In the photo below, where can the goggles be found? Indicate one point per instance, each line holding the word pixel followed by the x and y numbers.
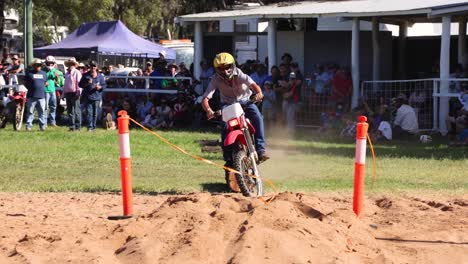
pixel 225 67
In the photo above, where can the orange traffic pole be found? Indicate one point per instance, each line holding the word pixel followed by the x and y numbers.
pixel 125 165
pixel 360 164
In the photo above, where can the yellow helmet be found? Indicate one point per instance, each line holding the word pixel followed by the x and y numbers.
pixel 224 64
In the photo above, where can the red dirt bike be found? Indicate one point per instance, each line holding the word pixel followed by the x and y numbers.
pixel 12 105
pixel 240 139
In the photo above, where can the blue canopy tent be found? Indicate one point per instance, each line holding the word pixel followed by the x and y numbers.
pixel 104 38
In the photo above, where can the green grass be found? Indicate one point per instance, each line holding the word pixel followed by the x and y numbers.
pixel 58 161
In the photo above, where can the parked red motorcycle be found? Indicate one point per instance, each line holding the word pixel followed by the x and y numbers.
pixel 12 105
pixel 240 138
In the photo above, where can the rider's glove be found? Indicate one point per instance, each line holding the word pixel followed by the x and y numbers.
pixel 210 114
pixel 258 97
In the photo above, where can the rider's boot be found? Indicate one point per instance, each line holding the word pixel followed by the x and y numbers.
pixel 263 156
pixel 231 180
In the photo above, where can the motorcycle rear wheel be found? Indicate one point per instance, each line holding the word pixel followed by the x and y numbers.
pixel 18 116
pixel 247 184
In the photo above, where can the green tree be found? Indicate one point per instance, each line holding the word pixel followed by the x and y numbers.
pixel 151 18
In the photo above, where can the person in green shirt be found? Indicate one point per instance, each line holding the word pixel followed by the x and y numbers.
pixel 54 79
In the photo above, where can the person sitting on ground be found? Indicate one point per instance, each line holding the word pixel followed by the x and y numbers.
pixel 463 136
pixel 164 113
pixel 143 107
pixel 406 122
pixel 384 131
pixel 463 98
pixel 151 119
pixel 349 126
pixel 181 110
pixel 363 108
pixel 130 109
pixel 108 116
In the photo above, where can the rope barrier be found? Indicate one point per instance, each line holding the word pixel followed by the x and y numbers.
pixel 374 175
pixel 266 201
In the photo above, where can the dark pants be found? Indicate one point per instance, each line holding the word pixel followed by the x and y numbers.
pixel 253 114
pixel 399 133
pixel 92 107
pixel 74 111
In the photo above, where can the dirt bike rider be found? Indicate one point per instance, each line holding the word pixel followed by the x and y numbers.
pixel 236 86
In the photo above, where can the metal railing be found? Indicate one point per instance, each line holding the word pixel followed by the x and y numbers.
pixel 419 94
pixel 129 84
pixel 424 95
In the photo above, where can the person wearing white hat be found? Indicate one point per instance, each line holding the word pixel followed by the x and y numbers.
pixel 54 80
pixel 72 94
pixel 35 81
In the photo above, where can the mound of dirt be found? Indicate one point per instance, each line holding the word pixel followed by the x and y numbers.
pixel 229 228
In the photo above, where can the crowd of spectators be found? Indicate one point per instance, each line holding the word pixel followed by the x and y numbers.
pixel 457 121
pixel 82 91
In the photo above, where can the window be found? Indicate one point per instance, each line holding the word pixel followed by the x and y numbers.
pixel 242 27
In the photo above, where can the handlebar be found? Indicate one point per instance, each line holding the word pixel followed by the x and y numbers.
pixel 252 100
pixel 217 113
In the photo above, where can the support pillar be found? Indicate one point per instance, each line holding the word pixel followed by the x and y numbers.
pixel 271 43
pixel 355 61
pixel 28 32
pixel 402 50
pixel 375 49
pixel 198 50
pixel 444 73
pixel 462 41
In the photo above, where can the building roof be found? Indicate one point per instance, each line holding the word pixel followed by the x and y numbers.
pixel 339 8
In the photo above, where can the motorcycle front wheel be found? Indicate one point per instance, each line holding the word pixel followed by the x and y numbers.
pixel 249 186
pixel 19 110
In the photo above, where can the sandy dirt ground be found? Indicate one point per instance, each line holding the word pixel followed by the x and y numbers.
pixel 228 228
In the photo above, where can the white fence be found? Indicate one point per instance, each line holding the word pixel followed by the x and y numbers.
pixel 429 97
pixel 419 94
pixel 133 84
pixel 145 84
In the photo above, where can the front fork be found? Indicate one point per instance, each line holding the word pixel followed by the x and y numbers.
pixel 254 158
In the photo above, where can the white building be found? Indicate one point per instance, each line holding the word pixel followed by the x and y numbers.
pixel 369 53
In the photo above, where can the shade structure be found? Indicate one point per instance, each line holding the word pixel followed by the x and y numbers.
pixel 104 37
